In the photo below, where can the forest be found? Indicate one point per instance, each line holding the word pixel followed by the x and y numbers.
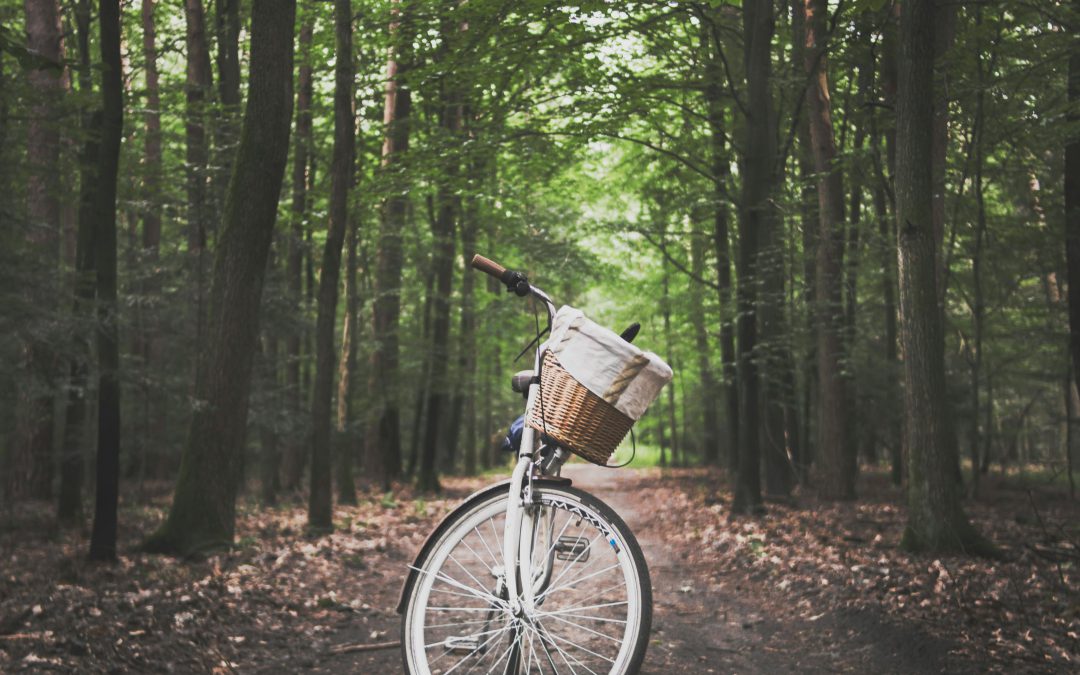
pixel 248 367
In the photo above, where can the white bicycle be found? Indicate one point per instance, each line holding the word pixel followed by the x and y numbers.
pixel 531 575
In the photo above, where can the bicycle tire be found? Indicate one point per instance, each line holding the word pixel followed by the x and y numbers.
pixel 453 530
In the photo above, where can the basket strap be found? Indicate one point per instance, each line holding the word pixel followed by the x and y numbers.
pixel 625 376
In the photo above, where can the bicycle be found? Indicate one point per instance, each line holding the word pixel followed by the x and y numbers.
pixel 579 597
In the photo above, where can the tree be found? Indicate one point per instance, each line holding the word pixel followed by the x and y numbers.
pixel 936 520
pixel 198 88
pixel 296 451
pixel 837 463
pixel 203 512
pixel 341 173
pixel 103 537
pixel 69 507
pixel 1072 205
pixel 443 230
pixel 384 436
pixel 756 208
pixel 720 164
pixel 31 473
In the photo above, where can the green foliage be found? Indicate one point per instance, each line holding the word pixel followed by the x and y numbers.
pixel 585 160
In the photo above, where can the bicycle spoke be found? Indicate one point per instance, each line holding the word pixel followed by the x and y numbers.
pixel 463 569
pixel 483 541
pixel 576 645
pixel 456 623
pixel 577 581
pixel 478 649
pixel 545 640
pixel 590 596
pixel 482 595
pixel 566 610
pixel 581 571
pixel 587 630
pixel 567 568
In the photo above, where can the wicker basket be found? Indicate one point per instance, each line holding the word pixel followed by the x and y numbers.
pixel 575 417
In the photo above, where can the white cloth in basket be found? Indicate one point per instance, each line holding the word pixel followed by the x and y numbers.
pixel 607 365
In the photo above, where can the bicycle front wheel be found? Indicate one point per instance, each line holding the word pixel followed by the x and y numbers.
pixel 593 608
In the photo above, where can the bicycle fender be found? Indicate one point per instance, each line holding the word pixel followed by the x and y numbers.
pixel 429 543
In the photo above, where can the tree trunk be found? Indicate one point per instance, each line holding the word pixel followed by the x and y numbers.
pixel 809 224
pixel 859 434
pixel 710 421
pixel 320 506
pixel 837 467
pixel 203 513
pixel 197 89
pixel 665 308
pixel 884 196
pixel 936 521
pixel 720 166
pixel 978 310
pixel 31 472
pixel 347 434
pixel 72 467
pixel 227 32
pixel 270 460
pixel 384 439
pixel 103 536
pixel 756 211
pixel 944 34
pixel 442 267
pixel 1072 206
pixel 422 387
pixel 470 216
pixel 296 450
pixel 1072 408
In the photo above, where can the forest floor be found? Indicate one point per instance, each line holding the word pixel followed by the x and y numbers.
pixel 810 587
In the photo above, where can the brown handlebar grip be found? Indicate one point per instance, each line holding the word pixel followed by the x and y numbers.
pixel 489 266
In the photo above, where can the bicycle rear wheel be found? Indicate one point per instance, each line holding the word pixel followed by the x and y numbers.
pixel 593 600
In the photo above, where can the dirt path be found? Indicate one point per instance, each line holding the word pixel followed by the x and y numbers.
pixel 706 624
pixel 702 621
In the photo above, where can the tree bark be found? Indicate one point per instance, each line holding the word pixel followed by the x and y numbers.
pixel 31 472
pixel 203 513
pixel 944 35
pixel 346 485
pixel 884 197
pixel 665 309
pixel 198 87
pixel 835 459
pixel 296 451
pixel 809 221
pixel 470 216
pixel 710 421
pixel 103 536
pixel 978 310
pixel 227 33
pixel 320 506
pixel 442 267
pixel 720 168
pixel 69 508
pixel 384 440
pixel 756 209
pixel 936 521
pixel 1072 205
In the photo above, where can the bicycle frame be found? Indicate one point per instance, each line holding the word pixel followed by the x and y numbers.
pixel 517 554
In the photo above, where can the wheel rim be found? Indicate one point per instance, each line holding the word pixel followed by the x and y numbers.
pixel 588 613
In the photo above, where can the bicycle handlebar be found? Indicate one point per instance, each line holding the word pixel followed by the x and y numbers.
pixel 488 266
pixel 515 281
